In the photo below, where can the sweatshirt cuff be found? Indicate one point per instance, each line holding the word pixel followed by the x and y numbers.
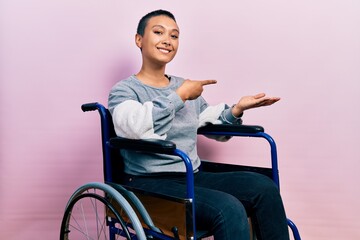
pixel 176 100
pixel 229 118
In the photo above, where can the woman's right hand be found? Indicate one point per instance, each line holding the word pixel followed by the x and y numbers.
pixel 192 89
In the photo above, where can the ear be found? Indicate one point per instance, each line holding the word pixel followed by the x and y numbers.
pixel 138 40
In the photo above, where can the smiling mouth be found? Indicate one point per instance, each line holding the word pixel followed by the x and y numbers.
pixel 164 50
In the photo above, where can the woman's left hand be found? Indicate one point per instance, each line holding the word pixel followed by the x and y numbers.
pixel 248 102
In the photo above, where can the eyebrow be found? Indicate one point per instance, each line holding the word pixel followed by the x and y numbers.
pixel 174 29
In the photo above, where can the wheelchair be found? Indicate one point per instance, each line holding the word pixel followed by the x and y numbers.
pixel 112 211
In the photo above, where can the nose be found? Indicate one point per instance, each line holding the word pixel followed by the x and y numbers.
pixel 166 42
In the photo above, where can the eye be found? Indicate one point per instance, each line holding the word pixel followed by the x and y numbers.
pixel 174 36
pixel 157 32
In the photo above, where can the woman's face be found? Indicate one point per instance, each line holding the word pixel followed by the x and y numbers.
pixel 160 41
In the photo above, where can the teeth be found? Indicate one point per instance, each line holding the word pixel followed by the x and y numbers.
pixel 164 50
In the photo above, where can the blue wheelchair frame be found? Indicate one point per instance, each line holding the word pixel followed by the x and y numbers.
pixel 111 145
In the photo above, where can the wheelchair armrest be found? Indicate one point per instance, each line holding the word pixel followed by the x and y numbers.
pixel 227 129
pixel 143 145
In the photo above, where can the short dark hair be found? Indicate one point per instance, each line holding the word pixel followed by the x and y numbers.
pixel 144 20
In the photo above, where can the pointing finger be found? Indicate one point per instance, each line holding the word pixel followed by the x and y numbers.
pixel 208 82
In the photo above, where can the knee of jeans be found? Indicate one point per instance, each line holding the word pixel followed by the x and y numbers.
pixel 267 188
pixel 232 208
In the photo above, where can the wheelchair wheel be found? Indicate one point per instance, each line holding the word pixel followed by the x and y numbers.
pixel 97 211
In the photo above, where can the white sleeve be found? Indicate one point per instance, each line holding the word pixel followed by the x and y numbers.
pixel 134 120
pixel 211 115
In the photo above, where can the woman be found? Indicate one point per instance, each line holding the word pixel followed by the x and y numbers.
pixel 152 104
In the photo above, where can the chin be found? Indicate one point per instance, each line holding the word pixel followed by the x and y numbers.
pixel 165 60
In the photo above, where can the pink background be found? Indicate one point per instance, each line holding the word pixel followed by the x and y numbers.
pixel 56 55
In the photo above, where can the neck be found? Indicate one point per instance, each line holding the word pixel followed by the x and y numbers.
pixel 153 76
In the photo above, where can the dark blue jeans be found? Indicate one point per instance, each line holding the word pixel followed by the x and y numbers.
pixel 223 202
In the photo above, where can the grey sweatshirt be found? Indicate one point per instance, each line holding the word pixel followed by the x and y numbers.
pixel 140 111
